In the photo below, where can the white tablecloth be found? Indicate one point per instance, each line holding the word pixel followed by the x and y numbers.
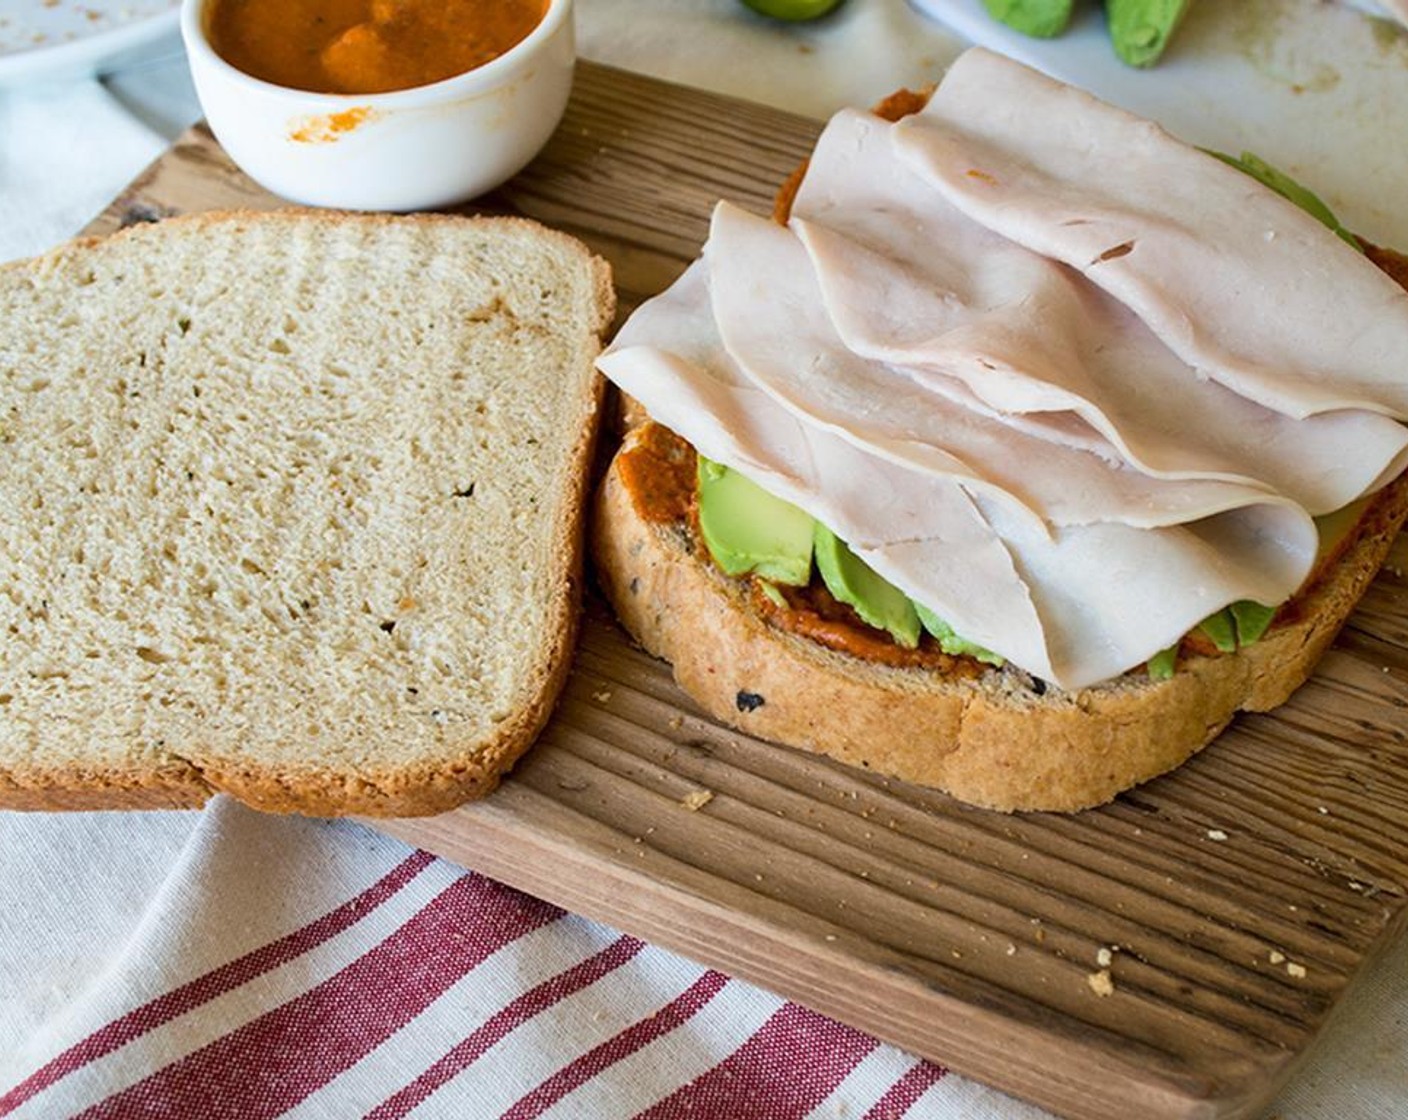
pixel 224 963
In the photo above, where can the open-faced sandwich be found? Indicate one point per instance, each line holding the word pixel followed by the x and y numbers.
pixel 1029 448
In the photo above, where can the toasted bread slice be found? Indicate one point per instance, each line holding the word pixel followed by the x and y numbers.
pixel 992 737
pixel 290 507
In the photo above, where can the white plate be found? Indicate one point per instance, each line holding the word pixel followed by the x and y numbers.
pixel 52 40
pixel 1318 89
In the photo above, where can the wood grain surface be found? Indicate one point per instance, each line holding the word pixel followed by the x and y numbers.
pixel 1238 898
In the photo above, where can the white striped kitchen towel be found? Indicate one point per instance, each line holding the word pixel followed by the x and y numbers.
pixel 273 973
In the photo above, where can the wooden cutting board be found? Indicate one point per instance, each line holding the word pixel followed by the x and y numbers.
pixel 1238 898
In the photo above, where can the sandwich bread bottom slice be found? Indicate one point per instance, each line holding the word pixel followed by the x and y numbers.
pixel 290 507
pixel 991 737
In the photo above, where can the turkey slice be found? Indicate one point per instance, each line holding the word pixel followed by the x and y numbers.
pixel 669 357
pixel 1240 283
pixel 1075 609
pixel 774 324
pixel 907 278
pixel 1110 597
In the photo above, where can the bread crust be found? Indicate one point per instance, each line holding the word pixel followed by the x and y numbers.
pixel 467 770
pixel 993 740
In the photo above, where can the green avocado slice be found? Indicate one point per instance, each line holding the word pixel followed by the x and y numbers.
pixel 1252 619
pixel 1163 664
pixel 1041 19
pixel 746 529
pixel 1141 29
pixel 854 583
pixel 1221 630
pixel 1334 527
pixel 953 644
pixel 1290 190
pixel 792 11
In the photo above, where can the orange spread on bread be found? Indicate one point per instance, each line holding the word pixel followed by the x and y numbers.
pixel 813 612
pixel 658 471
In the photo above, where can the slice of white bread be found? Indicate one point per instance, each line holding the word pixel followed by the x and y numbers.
pixel 290 507
pixel 991 737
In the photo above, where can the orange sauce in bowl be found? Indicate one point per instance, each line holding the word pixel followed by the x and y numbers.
pixel 366 46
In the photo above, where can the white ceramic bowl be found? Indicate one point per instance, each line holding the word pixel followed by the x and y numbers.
pixel 410 149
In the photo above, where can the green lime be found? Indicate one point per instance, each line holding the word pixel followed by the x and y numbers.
pixel 792 10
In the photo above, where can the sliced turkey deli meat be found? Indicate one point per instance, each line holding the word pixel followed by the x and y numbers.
pixel 1110 597
pixel 1071 470
pixel 908 278
pixel 669 357
pixel 981 564
pixel 1239 282
pixel 925 535
pixel 773 323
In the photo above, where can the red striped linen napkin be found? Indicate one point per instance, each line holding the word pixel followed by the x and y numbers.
pixel 228 964
pixel 266 966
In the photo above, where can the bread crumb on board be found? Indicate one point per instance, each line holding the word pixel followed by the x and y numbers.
pixel 1101 983
pixel 1293 970
pixel 697 799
